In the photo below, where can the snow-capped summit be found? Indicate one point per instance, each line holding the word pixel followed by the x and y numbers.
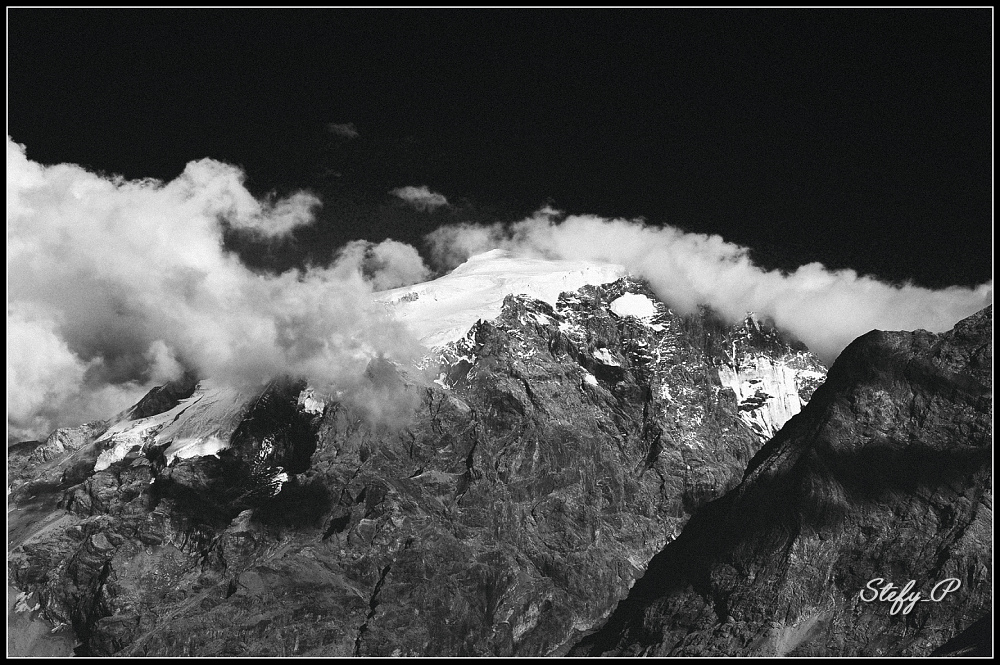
pixel 442 310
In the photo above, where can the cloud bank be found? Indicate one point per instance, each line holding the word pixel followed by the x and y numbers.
pixel 825 309
pixel 421 197
pixel 116 286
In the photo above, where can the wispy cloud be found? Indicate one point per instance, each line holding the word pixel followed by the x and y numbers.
pixel 344 129
pixel 421 197
pixel 825 309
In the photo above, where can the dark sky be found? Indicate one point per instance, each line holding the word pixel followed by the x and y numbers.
pixel 858 138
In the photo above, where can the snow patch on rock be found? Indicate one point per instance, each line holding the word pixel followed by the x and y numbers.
pixel 121 438
pixel 766 393
pixel 307 402
pixel 187 448
pixel 604 356
pixel 634 304
pixel 541 319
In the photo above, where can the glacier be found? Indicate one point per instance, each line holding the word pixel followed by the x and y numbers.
pixel 442 310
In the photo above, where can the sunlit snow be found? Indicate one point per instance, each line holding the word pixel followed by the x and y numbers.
pixel 189 447
pixel 772 383
pixel 442 310
pixel 198 425
pixel 604 356
pixel 634 304
pixel 307 402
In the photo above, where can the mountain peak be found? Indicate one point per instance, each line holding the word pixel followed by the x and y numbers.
pixel 442 310
pixel 570 435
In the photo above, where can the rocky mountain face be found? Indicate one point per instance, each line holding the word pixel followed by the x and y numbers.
pixel 770 387
pixel 557 451
pixel 883 478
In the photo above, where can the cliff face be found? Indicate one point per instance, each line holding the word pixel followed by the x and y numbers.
pixel 557 451
pixel 771 382
pixel 884 477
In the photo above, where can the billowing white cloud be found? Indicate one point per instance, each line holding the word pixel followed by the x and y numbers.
pixel 344 129
pixel 41 371
pixel 825 309
pixel 115 286
pixel 421 197
pixel 387 264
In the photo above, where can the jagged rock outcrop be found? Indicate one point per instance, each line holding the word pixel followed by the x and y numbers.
pixel 28 460
pixel 557 451
pixel 163 398
pixel 885 474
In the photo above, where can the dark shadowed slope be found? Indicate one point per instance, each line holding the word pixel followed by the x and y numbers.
pixel 885 474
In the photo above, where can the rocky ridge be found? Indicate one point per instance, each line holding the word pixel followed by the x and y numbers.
pixel 559 449
pixel 885 475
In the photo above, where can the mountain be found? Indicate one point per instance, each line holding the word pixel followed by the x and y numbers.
pixel 883 478
pixel 443 310
pixel 556 443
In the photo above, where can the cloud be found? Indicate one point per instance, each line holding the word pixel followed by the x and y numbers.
pixel 387 265
pixel 344 129
pixel 41 371
pixel 115 286
pixel 420 198
pixel 825 309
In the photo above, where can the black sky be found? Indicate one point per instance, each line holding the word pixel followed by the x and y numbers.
pixel 858 138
